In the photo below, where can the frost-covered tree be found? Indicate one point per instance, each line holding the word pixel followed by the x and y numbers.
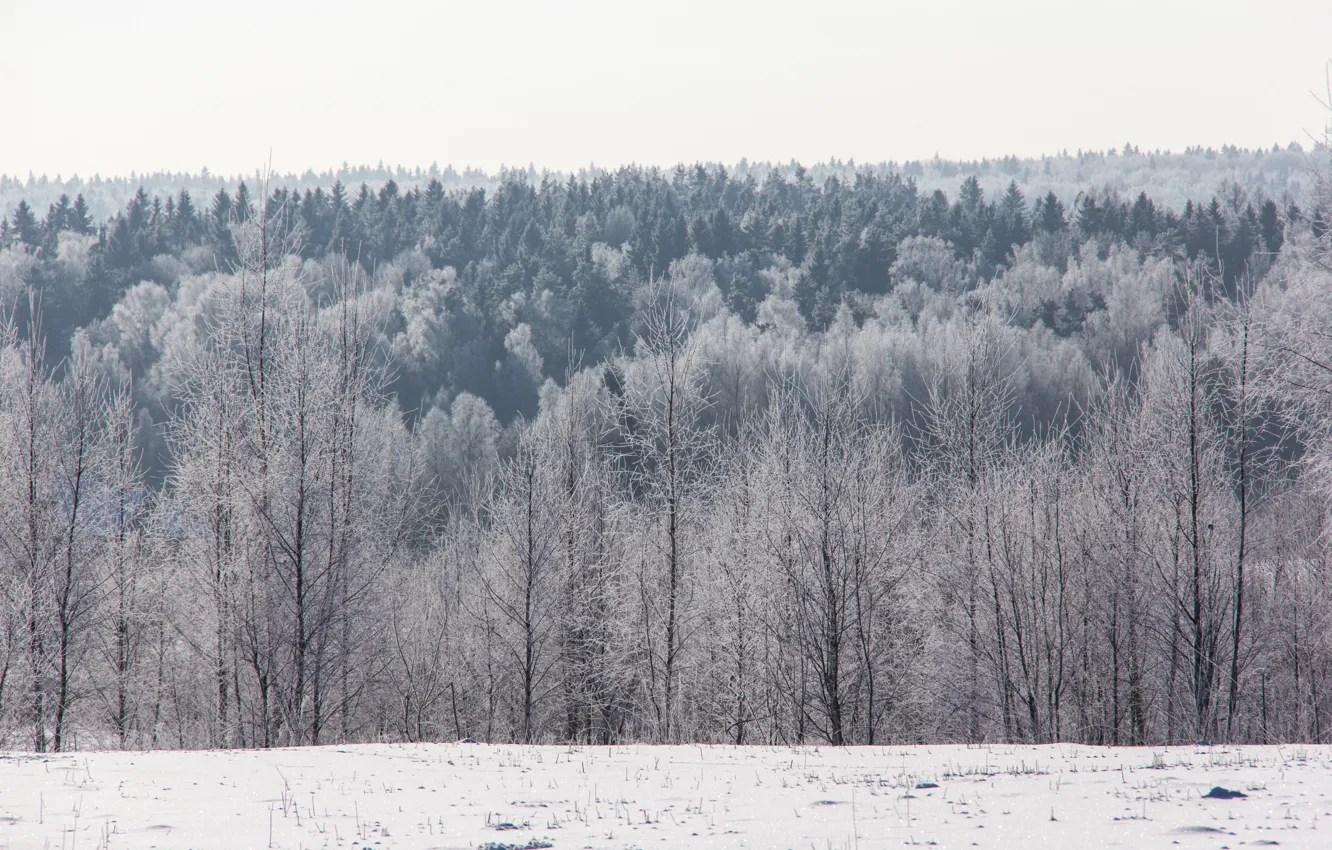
pixel 668 448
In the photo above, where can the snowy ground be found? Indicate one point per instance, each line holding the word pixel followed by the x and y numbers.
pixel 471 795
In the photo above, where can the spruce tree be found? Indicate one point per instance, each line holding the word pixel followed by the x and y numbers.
pixel 57 216
pixel 1050 214
pixel 79 219
pixel 219 214
pixel 244 206
pixel 25 227
pixel 1013 217
pixel 186 221
pixel 1270 227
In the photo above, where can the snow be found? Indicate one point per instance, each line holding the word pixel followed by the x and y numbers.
pixel 470 795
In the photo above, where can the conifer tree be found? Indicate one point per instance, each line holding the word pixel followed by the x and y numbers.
pixel 25 227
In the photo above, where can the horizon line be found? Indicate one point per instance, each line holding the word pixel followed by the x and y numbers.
pixel 204 173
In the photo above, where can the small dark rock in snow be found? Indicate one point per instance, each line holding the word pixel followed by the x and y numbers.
pixel 1219 793
pixel 927 784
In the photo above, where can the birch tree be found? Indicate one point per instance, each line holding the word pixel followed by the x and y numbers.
pixel 669 451
pixel 965 427
pixel 1180 406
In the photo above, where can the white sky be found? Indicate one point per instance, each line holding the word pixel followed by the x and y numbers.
pixel 97 86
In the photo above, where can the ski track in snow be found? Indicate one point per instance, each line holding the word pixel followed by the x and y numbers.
pixel 420 796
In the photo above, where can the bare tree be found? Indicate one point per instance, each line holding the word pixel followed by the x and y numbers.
pixel 1180 405
pixel 835 539
pixel 127 586
pixel 31 525
pixel 734 596
pixel 669 446
pixel 965 427
pixel 1117 472
pixel 521 572
pixel 81 413
pixel 291 458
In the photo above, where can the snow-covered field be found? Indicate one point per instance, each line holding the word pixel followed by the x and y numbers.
pixel 472 795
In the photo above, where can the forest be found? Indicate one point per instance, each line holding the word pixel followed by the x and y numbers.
pixel 761 454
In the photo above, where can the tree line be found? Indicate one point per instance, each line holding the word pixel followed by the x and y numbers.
pixel 567 259
pixel 664 457
pixel 1171 177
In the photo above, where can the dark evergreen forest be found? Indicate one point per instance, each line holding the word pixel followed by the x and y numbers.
pixel 570 258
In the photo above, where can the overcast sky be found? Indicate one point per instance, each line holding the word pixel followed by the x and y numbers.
pixel 95 86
